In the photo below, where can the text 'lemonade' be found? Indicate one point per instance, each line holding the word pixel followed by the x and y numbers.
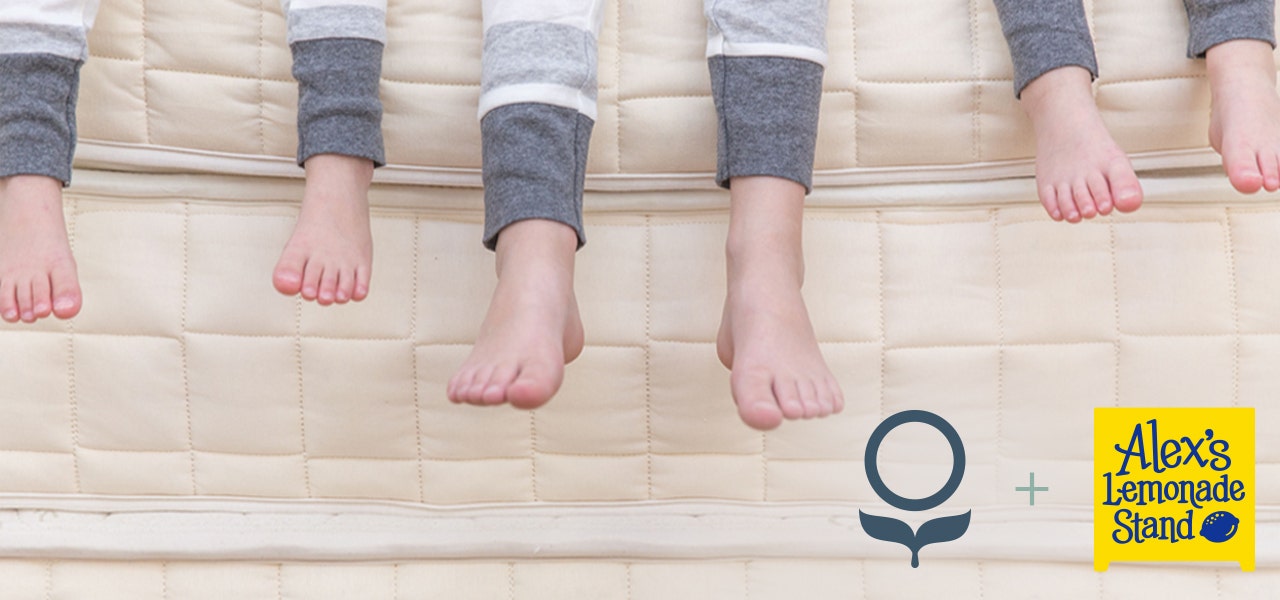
pixel 1174 484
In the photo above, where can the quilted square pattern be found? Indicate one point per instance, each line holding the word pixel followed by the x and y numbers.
pixel 767 579
pixel 906 84
pixel 211 384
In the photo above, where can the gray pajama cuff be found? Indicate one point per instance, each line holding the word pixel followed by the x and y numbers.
pixel 339 111
pixel 535 164
pixel 38 114
pixel 768 116
pixel 1215 21
pixel 1044 35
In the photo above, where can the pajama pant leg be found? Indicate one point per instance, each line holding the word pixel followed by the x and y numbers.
pixel 537 108
pixel 1215 21
pixel 337 59
pixel 42 46
pixel 1044 35
pixel 766 60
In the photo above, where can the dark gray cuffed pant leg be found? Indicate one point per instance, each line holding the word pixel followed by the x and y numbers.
pixel 768 116
pixel 38 114
pixel 1215 21
pixel 535 164
pixel 1044 35
pixel 339 111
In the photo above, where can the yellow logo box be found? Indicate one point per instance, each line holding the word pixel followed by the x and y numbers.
pixel 1174 484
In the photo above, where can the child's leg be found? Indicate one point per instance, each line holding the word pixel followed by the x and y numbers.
pixel 37 271
pixel 1236 37
pixel 337 60
pixel 42 45
pixel 1080 171
pixel 537 107
pixel 766 75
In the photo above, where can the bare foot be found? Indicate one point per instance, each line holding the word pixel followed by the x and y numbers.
pixel 766 338
pixel 330 255
pixel 1080 171
pixel 37 271
pixel 1244 126
pixel 532 329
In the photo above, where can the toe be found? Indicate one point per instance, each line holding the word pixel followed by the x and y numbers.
pixel 473 393
pixel 495 389
pixel 288 274
pixel 41 298
pixel 788 398
pixel 1244 170
pixel 1049 199
pixel 26 311
pixel 809 398
pixel 311 280
pixel 8 300
pixel 1067 203
pixel 328 286
pixel 1270 171
pixel 756 404
pixel 535 385
pixel 837 395
pixel 1126 191
pixel 346 283
pixel 1097 185
pixel 461 384
pixel 1084 200
pixel 361 290
pixel 66 291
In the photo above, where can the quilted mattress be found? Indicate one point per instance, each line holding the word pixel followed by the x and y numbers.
pixel 192 434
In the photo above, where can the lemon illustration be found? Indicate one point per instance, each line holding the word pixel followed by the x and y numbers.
pixel 1219 526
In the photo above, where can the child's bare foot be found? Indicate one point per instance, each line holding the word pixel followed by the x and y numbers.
pixel 1080 171
pixel 330 255
pixel 1244 126
pixel 532 329
pixel 765 337
pixel 37 271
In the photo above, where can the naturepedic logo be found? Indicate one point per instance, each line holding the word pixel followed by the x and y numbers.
pixel 1173 484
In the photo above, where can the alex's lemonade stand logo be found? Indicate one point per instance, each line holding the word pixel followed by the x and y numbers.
pixel 1173 484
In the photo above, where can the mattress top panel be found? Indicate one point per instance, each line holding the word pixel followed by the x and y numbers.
pixel 914 91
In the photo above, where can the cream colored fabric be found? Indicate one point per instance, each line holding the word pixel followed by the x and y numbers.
pixel 188 376
pixel 189 390
pixel 606 579
pixel 926 85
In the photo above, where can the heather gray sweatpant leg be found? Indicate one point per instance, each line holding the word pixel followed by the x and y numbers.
pixel 537 109
pixel 1046 34
pixel 766 60
pixel 42 46
pixel 337 60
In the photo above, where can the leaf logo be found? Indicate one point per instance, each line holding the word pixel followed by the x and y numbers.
pixel 942 529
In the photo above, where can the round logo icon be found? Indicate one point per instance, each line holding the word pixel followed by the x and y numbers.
pixel 1219 527
pixel 957 460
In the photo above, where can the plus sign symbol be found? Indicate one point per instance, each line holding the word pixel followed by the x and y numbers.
pixel 1031 489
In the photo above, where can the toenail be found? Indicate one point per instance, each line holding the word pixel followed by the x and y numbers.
pixel 10 314
pixel 64 304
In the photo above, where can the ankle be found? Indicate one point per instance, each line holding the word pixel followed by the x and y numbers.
pixel 1251 57
pixel 38 186
pixel 750 266
pixel 536 244
pixel 338 173
pixel 1058 97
